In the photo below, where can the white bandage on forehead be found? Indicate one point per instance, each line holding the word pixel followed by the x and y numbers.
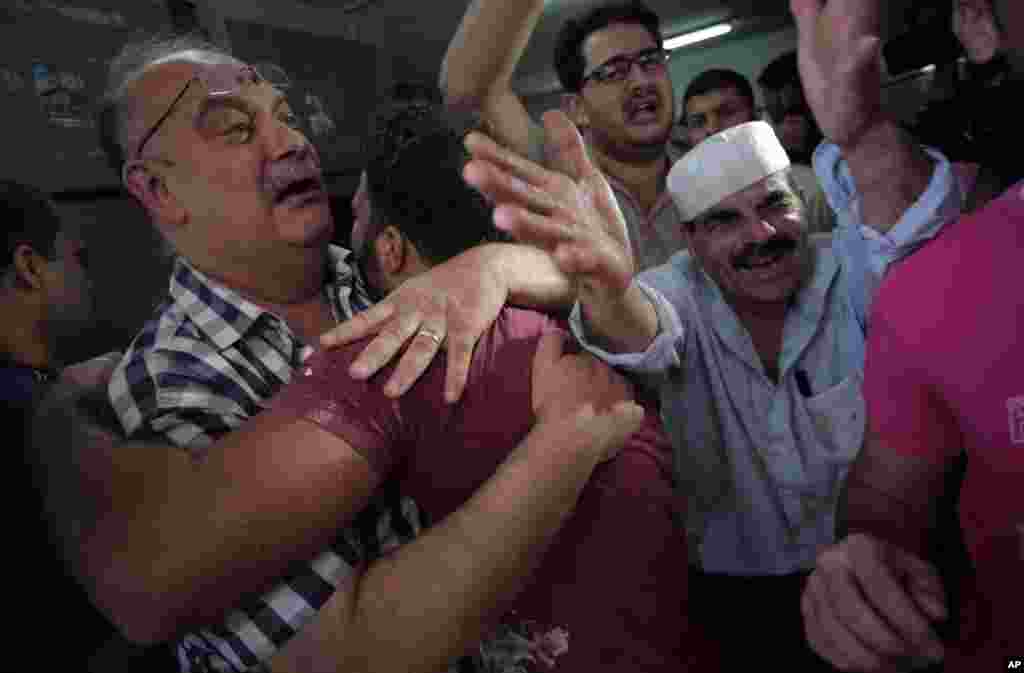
pixel 723 164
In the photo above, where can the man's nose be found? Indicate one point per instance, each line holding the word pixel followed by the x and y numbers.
pixel 284 140
pixel 638 77
pixel 759 229
pixel 713 124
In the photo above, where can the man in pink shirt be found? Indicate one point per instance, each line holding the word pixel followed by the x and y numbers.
pixel 609 594
pixel 942 379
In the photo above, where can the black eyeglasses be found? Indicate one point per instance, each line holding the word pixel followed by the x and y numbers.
pixel 223 79
pixel 617 69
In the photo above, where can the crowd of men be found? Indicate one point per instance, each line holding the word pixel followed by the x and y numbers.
pixel 577 399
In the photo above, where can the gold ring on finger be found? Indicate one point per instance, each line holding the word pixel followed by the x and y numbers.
pixel 430 334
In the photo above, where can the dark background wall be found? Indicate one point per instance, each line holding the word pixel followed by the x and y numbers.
pixel 52 66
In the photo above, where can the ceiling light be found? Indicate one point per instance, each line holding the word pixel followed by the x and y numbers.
pixel 696 36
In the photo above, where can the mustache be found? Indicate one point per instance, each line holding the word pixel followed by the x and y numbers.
pixel 301 165
pixel 773 247
pixel 634 100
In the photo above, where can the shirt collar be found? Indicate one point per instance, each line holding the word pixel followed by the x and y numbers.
pixel 224 316
pixel 673 154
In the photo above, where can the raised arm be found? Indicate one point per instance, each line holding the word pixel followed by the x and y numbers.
pixel 839 54
pixel 572 213
pixel 476 75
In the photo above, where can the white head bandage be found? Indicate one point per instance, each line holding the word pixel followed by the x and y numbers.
pixel 723 164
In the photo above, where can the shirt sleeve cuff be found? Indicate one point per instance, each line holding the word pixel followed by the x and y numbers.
pixel 660 356
pixel 940 203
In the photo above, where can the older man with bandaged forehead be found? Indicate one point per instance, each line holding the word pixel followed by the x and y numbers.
pixel 212 517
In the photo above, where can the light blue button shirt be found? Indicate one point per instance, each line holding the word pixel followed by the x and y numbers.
pixel 760 462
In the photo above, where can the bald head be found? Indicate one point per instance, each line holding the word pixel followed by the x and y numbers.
pixel 125 106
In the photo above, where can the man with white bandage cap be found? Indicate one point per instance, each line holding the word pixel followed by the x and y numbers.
pixel 754 336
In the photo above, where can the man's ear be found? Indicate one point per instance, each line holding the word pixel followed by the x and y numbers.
pixel 572 106
pixel 150 188
pixel 389 249
pixel 27 267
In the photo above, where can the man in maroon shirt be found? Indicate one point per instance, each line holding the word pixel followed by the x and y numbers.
pixel 608 595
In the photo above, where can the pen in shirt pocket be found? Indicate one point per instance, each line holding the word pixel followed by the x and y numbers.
pixel 803 383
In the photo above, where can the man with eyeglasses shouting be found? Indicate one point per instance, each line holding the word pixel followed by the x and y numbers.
pixel 614 70
pixel 612 65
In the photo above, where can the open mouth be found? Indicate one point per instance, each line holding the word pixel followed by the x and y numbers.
pixel 300 192
pixel 643 110
pixel 767 257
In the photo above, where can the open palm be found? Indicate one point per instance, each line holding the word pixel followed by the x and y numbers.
pixel 840 64
pixel 569 210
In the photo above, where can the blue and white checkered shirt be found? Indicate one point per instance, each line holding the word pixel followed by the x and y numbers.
pixel 205 363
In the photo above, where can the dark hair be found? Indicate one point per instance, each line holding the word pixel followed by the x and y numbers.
pixel 716 80
pixel 569 60
pixel 782 74
pixel 780 71
pixel 28 216
pixel 416 185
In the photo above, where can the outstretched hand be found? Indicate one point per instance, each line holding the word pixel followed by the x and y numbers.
pixel 569 210
pixel 840 65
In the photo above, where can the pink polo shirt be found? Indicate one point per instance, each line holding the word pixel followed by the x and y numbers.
pixel 610 594
pixel 944 374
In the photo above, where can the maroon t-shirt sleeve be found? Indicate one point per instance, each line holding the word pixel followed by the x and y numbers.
pixel 358 412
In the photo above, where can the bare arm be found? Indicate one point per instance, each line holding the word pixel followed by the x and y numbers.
pixel 841 72
pixel 459 299
pixel 891 172
pixel 873 601
pixel 162 542
pixel 533 278
pixel 624 324
pixel 476 73
pixel 435 598
pixel 891 496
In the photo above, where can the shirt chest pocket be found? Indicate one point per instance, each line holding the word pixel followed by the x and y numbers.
pixel 837 419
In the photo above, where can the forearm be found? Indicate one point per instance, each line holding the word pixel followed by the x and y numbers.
pixel 532 278
pixel 437 597
pixel 889 516
pixel 486 48
pixel 891 171
pixel 624 324
pixel 173 543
